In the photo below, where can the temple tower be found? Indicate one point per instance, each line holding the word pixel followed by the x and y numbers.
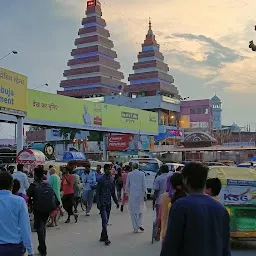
pixel 93 70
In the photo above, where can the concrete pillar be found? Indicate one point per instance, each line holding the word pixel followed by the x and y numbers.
pixel 104 149
pixel 19 130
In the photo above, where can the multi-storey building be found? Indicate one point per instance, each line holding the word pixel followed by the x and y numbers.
pixel 151 86
pixel 93 70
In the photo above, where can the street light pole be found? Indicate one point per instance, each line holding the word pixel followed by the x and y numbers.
pixel 40 86
pixel 251 43
pixel 12 52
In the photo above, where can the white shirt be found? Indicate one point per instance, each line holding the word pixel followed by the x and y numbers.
pixel 23 179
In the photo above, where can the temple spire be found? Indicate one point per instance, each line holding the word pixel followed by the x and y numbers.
pixel 150 32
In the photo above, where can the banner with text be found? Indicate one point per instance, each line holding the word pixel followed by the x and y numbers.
pixel 237 195
pixel 60 111
pixel 130 142
pixel 13 93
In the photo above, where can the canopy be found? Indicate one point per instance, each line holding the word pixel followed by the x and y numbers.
pixel 69 156
pixel 229 173
pixel 253 159
pixel 30 157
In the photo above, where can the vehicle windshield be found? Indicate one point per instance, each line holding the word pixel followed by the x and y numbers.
pixel 148 167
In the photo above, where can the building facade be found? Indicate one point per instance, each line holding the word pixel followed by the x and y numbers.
pixel 151 86
pixel 93 70
pixel 200 115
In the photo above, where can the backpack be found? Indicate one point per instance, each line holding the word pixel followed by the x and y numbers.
pixel 45 200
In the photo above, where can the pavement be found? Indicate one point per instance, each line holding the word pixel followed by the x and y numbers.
pixel 83 238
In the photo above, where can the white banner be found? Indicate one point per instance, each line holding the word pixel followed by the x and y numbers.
pixel 237 195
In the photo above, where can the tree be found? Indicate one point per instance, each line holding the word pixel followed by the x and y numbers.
pixel 69 133
pixel 95 136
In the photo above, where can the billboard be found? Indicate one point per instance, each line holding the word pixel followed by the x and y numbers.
pixel 13 93
pixel 238 195
pixel 60 111
pixel 130 142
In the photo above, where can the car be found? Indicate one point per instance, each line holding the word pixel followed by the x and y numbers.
pixel 173 166
pixel 150 166
pixel 247 165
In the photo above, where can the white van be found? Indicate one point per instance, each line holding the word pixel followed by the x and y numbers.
pixel 150 166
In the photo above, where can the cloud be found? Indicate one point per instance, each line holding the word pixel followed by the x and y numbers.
pixel 215 53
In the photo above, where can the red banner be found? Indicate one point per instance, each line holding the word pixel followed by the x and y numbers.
pixel 119 142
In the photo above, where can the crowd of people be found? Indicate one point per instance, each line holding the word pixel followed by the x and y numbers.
pixel 189 216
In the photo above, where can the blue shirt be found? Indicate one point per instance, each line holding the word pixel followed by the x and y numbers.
pixel 198 225
pixel 23 179
pixel 160 185
pixel 99 176
pixel 14 221
pixel 89 180
pixel 105 190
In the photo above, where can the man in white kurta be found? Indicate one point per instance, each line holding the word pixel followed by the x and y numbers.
pixel 135 189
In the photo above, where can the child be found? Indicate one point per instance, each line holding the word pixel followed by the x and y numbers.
pixel 213 187
pixel 16 188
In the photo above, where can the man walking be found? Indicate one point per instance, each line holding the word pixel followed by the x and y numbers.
pixel 136 189
pixel 44 202
pixel 198 224
pixel 22 178
pixel 105 190
pixel 99 174
pixel 89 181
pixel 15 231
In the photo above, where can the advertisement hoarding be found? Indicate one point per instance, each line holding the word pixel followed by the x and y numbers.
pixel 60 111
pixel 130 142
pixel 237 195
pixel 13 93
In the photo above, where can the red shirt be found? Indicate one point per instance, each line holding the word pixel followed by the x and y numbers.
pixel 67 184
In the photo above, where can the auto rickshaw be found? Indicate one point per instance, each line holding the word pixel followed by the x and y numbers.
pixel 238 195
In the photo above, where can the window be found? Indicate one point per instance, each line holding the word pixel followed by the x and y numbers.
pixel 199 111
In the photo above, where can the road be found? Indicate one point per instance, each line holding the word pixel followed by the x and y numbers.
pixel 82 238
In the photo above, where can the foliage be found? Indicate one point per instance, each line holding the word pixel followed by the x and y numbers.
pixel 68 133
pixel 95 136
pixel 223 136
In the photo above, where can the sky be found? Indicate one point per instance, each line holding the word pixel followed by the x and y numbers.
pixel 204 42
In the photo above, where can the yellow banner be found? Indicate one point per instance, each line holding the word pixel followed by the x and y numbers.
pixel 60 111
pixel 13 93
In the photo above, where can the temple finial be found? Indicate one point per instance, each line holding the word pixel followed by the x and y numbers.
pixel 150 32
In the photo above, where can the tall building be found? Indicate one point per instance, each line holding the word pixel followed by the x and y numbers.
pixel 93 70
pixel 151 76
pixel 151 86
pixel 217 112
